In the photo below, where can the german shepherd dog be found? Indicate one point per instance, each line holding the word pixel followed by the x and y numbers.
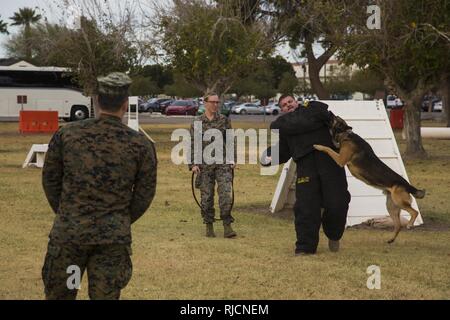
pixel 364 165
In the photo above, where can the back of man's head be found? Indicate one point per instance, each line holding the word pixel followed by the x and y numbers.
pixel 113 91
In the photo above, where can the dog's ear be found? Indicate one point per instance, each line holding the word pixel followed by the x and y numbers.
pixel 340 125
pixel 340 120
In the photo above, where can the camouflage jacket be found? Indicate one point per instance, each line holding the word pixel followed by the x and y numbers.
pixel 99 177
pixel 219 122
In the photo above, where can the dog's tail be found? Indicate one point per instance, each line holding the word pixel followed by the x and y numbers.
pixel 418 194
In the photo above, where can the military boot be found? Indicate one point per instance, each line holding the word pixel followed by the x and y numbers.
pixel 210 230
pixel 333 245
pixel 228 231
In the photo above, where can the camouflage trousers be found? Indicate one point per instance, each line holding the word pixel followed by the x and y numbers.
pixel 108 268
pixel 223 174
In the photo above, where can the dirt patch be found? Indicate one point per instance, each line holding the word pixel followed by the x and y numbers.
pixel 428 225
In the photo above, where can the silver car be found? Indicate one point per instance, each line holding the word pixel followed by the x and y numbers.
pixel 273 109
pixel 247 108
pixel 437 106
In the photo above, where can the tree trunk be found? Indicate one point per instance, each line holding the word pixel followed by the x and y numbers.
pixel 314 65
pixel 414 147
pixel 430 101
pixel 314 78
pixel 444 92
pixel 28 42
pixel 96 107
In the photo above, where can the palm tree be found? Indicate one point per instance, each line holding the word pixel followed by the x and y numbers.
pixel 3 27
pixel 26 17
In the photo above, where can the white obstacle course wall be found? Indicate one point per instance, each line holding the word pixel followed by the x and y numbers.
pixel 369 120
pixel 36 156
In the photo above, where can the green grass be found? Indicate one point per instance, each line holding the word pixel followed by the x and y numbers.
pixel 173 260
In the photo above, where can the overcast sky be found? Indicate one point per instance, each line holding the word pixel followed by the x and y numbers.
pixel 8 7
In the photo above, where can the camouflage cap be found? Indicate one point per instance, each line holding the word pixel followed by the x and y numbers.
pixel 115 83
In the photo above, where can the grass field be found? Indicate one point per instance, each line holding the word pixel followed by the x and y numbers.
pixel 173 260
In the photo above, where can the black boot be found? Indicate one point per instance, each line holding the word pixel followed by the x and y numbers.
pixel 333 245
pixel 228 231
pixel 210 230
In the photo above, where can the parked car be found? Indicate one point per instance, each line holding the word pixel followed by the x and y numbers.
pixel 153 105
pixel 393 102
pixel 340 97
pixel 225 110
pixel 201 110
pixel 247 108
pixel 230 104
pixel 140 104
pixel 273 109
pixel 182 107
pixel 437 106
pixel 144 107
pixel 434 101
pixel 164 105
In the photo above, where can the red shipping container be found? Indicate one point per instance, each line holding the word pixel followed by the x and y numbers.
pixel 38 121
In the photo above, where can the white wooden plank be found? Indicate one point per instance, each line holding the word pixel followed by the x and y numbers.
pixel 370 129
pixel 391 163
pixel 383 147
pixel 359 188
pixel 355 109
pixel 282 190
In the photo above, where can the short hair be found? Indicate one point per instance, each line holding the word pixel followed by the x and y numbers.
pixel 111 102
pixel 284 96
pixel 209 94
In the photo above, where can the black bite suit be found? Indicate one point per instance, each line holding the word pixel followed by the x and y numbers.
pixel 321 183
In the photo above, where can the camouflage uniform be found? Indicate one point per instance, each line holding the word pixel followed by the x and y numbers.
pixel 210 173
pixel 99 177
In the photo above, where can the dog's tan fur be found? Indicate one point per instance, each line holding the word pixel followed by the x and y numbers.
pixel 364 165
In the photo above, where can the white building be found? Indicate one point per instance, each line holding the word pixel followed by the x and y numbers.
pixel 331 69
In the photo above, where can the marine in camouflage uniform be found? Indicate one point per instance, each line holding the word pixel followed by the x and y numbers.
pixel 222 173
pixel 99 177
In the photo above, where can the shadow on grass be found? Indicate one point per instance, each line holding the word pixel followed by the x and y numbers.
pixel 430 223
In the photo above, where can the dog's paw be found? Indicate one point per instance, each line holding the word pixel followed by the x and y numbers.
pixel 390 241
pixel 319 147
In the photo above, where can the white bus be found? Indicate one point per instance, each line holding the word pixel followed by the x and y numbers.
pixel 26 87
